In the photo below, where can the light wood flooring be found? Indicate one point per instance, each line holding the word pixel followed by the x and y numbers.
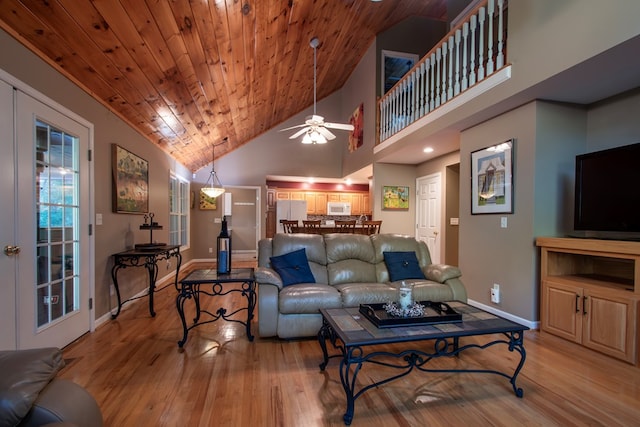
pixel 134 369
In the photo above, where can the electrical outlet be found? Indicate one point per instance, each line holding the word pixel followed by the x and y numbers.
pixel 495 293
pixel 168 265
pixel 210 250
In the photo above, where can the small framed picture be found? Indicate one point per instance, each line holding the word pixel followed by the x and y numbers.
pixel 207 203
pixel 492 179
pixel 395 197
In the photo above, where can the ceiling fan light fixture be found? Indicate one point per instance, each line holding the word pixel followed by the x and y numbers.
pixel 314 137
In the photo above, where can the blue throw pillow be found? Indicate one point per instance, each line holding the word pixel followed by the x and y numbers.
pixel 293 268
pixel 403 265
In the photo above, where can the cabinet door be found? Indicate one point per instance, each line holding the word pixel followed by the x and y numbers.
pixel 609 324
pixel 333 197
pixel 356 204
pixel 311 203
pixel 297 195
pixel 562 310
pixel 321 203
pixel 366 204
pixel 283 195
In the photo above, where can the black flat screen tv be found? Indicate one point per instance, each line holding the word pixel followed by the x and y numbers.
pixel 607 190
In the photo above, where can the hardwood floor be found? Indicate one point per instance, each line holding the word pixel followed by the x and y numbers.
pixel 139 377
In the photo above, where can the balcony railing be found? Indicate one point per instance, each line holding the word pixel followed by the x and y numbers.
pixel 468 54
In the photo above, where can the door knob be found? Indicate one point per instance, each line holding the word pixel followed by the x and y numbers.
pixel 11 250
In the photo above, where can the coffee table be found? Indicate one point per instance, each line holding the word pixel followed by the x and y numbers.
pixel 354 336
pixel 197 283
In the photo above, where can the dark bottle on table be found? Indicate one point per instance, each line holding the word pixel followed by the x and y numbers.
pixel 224 249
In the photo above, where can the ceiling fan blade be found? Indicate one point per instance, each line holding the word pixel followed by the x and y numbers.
pixel 340 126
pixel 293 127
pixel 300 132
pixel 325 132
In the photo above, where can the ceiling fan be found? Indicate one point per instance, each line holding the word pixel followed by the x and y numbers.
pixel 315 129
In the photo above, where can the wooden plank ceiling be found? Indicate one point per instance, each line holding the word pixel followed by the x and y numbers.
pixel 187 73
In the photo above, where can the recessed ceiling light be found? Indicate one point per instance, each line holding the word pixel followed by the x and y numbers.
pixel 428 150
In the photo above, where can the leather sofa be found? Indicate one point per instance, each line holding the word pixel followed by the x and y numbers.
pixel 31 395
pixel 349 270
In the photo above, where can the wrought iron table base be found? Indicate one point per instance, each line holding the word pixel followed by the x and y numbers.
pixel 354 357
pixel 149 260
pixel 193 290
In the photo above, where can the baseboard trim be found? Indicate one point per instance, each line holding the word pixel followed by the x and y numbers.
pixel 528 323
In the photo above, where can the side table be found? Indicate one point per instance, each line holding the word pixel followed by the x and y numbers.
pixel 147 258
pixel 192 287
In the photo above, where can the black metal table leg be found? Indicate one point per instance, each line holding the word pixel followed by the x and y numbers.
pixel 114 277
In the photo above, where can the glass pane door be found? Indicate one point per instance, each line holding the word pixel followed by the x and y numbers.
pixel 57 219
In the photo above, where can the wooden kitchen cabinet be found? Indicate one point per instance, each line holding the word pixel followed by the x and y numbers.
pixel 321 204
pixel 589 293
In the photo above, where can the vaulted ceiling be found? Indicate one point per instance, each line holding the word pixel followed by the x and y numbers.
pixel 188 73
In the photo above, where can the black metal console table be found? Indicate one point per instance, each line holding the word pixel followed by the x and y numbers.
pixel 147 257
pixel 192 287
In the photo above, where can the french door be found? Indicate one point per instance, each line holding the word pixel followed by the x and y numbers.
pixel 51 255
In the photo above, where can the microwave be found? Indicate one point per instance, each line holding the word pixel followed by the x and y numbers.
pixel 338 208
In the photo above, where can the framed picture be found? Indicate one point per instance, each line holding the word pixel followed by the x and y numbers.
pixel 395 197
pixel 356 136
pixel 394 66
pixel 130 178
pixel 206 202
pixel 492 179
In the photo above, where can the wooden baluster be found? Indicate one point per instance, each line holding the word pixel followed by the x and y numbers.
pixel 500 58
pixel 491 12
pixel 438 65
pixel 472 52
pixel 481 18
pixel 456 87
pixel 443 66
pixel 450 76
pixel 465 47
pixel 432 91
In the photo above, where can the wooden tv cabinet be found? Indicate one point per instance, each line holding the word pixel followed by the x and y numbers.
pixel 590 290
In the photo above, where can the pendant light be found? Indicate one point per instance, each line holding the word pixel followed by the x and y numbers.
pixel 215 188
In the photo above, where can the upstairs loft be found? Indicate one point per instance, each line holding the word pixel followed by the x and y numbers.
pixel 500 56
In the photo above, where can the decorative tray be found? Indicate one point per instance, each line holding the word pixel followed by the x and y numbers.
pixel 434 312
pixel 149 246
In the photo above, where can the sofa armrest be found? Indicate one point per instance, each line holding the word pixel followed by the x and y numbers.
pixel 265 275
pixel 441 272
pixel 23 375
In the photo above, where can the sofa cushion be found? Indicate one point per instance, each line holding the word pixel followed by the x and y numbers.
pixel 354 294
pixel 402 265
pixel 293 267
pixel 308 298
pixel 24 374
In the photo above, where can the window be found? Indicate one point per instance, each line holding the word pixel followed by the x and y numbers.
pixel 178 211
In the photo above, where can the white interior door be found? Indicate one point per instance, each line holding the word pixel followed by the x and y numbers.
pixel 429 204
pixel 7 220
pixel 52 220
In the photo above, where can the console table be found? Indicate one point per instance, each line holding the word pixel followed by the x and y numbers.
pixel 148 258
pixel 193 286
